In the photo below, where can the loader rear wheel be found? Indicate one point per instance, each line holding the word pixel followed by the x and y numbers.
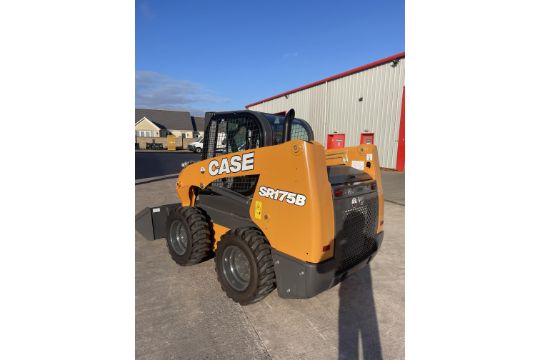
pixel 189 239
pixel 244 265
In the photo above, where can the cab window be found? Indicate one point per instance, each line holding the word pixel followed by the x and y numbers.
pixel 298 129
pixel 229 134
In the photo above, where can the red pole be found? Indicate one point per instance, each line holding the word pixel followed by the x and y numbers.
pixel 400 165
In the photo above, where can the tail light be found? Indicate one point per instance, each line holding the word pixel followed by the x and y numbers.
pixel 356 188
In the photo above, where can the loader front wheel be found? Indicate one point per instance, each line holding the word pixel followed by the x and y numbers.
pixel 189 239
pixel 244 265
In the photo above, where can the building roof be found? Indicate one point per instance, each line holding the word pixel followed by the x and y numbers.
pixel 337 76
pixel 199 123
pixel 166 119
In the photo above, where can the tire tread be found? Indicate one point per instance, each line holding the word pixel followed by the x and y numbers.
pixel 257 242
pixel 199 228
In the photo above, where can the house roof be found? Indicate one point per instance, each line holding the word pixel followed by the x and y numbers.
pixel 166 119
pixel 199 123
pixel 338 76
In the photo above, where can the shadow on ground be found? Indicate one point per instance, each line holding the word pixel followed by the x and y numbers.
pixel 357 325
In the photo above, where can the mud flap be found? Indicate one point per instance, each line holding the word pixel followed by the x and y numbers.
pixel 151 222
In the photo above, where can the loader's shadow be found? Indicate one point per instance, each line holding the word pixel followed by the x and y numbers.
pixel 358 318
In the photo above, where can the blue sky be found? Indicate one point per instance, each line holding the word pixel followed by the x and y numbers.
pixel 222 55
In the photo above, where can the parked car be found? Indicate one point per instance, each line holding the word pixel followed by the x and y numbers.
pixel 154 146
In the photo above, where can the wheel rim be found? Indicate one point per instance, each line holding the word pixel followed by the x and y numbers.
pixel 235 268
pixel 178 237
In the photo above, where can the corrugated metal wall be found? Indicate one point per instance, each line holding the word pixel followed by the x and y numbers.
pixel 335 106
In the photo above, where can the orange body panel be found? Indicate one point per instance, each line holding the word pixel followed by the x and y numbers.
pixel 219 231
pixel 297 167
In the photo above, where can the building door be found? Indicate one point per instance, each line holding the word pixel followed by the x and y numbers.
pixel 367 138
pixel 335 141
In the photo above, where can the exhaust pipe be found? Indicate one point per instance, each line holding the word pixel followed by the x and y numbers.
pixel 288 125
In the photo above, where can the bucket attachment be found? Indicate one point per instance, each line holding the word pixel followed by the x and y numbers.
pixel 151 222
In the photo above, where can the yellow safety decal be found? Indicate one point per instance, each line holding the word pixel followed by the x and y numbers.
pixel 258 210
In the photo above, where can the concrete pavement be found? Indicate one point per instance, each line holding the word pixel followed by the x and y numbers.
pixel 181 312
pixel 393 186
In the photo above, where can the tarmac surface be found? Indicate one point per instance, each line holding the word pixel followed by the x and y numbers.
pixel 182 313
pixel 150 164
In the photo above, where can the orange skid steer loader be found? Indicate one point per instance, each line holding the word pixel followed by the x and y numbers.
pixel 273 207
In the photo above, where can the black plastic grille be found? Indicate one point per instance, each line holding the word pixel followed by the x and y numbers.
pixel 298 131
pixel 244 185
pixel 357 238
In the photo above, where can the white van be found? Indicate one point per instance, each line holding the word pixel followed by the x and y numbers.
pixel 197 145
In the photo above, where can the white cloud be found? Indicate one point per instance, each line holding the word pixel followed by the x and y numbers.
pixel 289 55
pixel 154 90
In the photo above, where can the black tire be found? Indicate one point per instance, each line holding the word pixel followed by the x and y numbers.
pixel 256 250
pixel 193 244
pixel 198 150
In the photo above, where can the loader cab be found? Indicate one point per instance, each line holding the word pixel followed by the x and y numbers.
pixel 228 132
pixel 233 131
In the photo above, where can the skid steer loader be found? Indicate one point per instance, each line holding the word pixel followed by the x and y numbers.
pixel 274 207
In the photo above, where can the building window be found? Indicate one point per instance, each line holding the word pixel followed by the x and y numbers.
pixel 143 133
pixel 163 133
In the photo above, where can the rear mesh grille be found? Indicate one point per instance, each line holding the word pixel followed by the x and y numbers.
pixel 357 238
